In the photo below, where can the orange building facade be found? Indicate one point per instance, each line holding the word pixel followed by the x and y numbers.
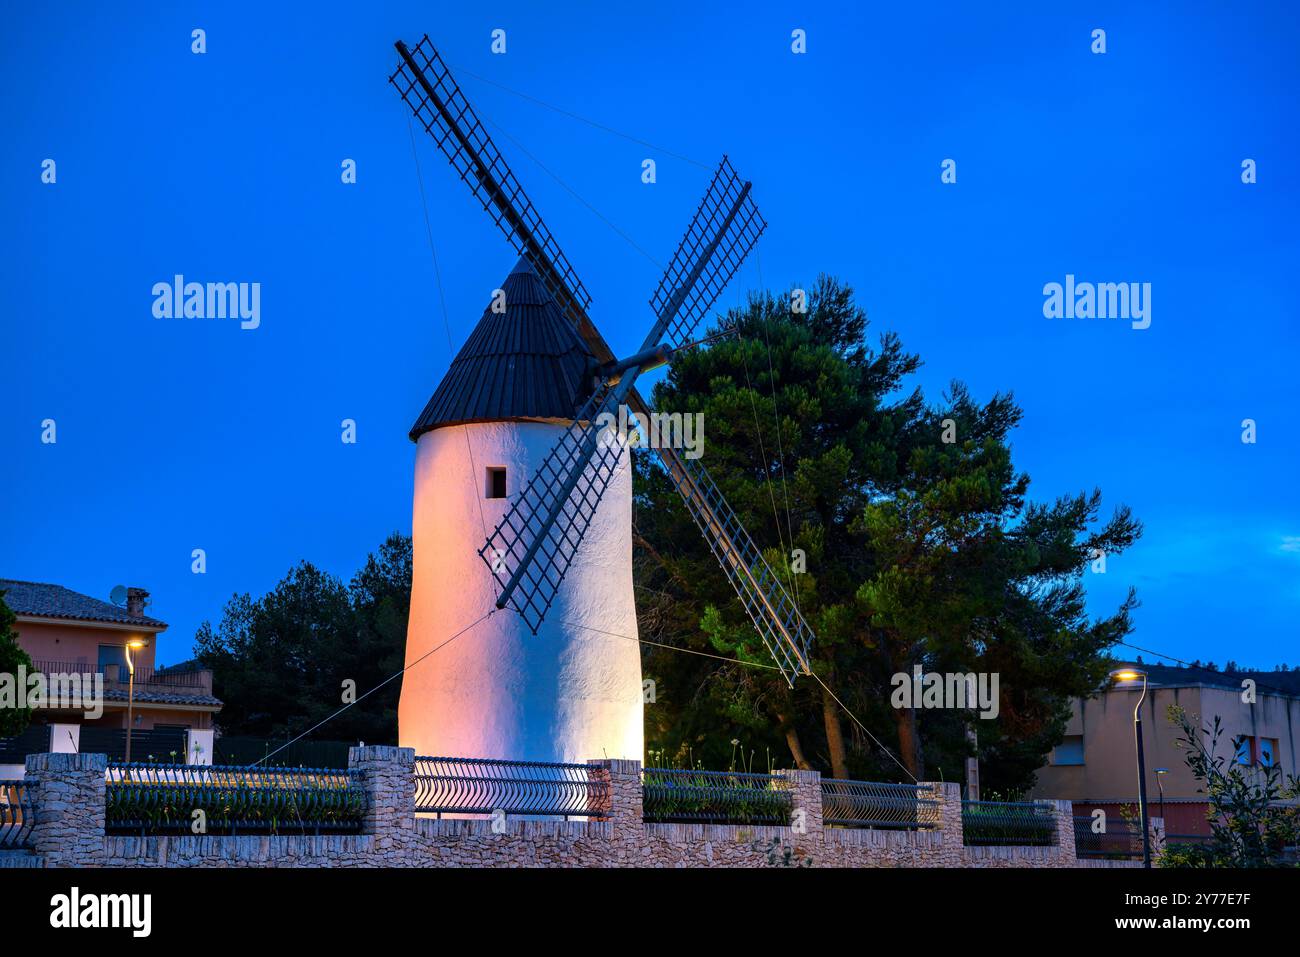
pixel 97 644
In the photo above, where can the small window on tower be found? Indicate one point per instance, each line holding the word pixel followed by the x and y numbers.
pixel 496 482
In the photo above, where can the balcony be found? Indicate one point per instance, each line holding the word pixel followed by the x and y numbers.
pixel 116 677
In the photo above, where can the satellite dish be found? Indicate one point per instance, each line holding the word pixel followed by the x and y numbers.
pixel 118 595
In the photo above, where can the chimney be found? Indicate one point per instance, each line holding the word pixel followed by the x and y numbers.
pixel 135 598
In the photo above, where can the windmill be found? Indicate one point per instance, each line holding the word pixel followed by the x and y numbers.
pixel 529 391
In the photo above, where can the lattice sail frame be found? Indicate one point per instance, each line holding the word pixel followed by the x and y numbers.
pixel 726 226
pixel 508 545
pixel 447 116
pixel 775 615
pixel 724 229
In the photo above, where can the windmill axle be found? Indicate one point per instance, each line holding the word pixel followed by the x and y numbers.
pixel 643 361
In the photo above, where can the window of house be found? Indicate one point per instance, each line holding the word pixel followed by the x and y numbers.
pixel 112 655
pixel 496 482
pixel 1267 752
pixel 1245 746
pixel 1069 751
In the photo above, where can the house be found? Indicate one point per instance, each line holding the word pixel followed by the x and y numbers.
pixel 1096 765
pixel 67 633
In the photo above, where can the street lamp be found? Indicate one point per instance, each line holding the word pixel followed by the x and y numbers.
pixel 134 644
pixel 1160 783
pixel 1133 674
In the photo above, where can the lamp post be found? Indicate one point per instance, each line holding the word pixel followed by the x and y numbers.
pixel 1133 674
pixel 1160 783
pixel 133 644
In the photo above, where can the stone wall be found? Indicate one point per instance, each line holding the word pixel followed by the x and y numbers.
pixel 70 831
pixel 292 850
pixel 69 793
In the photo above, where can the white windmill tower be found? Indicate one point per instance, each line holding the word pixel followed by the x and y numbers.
pixel 511 448
pixel 564 693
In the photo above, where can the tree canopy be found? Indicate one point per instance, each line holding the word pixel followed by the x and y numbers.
pixel 282 662
pixel 907 536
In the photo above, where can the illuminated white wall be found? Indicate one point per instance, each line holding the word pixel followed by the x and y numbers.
pixel 498 691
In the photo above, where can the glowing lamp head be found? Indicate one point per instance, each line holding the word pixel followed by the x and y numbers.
pixel 133 644
pixel 1127 674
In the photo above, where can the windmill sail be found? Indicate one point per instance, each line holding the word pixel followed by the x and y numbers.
pixel 434 97
pixel 533 547
pixel 533 553
pixel 774 613
pixel 725 228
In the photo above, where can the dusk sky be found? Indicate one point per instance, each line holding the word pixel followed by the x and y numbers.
pixel 1126 166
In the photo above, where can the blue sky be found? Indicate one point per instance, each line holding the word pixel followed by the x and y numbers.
pixel 177 435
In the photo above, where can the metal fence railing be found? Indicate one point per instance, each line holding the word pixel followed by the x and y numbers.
pixel 164 798
pixel 250 749
pixel 871 804
pixel 147 744
pixel 714 797
pixel 446 785
pixel 1008 822
pixel 34 740
pixel 17 814
pixel 171 677
pixel 166 677
pixel 1119 840
pixel 48 666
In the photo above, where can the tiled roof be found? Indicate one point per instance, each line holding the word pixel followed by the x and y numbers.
pixel 162 697
pixel 1266 682
pixel 42 600
pixel 525 363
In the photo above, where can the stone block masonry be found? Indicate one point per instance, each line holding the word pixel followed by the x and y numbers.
pixel 805 811
pixel 68 790
pixel 388 776
pixel 69 830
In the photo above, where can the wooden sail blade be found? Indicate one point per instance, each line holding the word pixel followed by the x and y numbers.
pixel 725 228
pixel 426 85
pixel 776 616
pixel 530 551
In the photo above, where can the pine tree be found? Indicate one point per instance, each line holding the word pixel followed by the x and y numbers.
pixel 921 548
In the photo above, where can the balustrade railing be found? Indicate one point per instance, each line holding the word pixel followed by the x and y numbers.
pixel 17 814
pixel 447 785
pixel 871 804
pixel 1021 823
pixel 224 799
pixel 672 795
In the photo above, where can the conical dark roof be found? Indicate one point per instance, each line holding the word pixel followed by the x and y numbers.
pixel 525 363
